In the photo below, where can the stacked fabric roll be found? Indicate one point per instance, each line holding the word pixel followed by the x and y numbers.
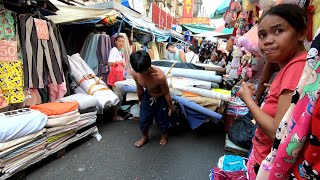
pixel 62 125
pixel 22 139
pixel 88 114
pixel 89 83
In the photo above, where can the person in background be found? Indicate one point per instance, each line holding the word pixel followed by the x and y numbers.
pixel 213 59
pixel 222 61
pixel 179 54
pixel 281 31
pixel 191 56
pixel 116 55
pixel 154 96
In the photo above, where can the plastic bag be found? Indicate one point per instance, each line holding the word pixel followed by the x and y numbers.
pixel 115 74
pixel 242 131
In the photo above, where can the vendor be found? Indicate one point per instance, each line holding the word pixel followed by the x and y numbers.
pixel 116 54
pixel 179 54
pixel 213 59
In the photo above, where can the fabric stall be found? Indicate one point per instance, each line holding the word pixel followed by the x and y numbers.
pixel 195 90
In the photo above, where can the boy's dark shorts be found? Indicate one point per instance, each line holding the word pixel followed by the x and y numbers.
pixel 154 108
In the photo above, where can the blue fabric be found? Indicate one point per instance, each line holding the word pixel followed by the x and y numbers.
pixel 232 163
pixel 153 108
pixel 195 114
pixel 91 57
pixel 129 89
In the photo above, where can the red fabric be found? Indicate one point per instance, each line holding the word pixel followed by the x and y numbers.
pixel 308 165
pixel 223 175
pixel 287 79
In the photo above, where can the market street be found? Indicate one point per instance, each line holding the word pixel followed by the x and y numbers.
pixel 186 156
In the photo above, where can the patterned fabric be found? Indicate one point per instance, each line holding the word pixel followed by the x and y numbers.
pixel 295 125
pixel 11 81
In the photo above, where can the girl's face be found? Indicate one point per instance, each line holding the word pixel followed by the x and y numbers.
pixel 278 41
pixel 120 43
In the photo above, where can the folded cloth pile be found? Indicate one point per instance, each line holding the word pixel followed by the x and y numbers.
pixel 88 114
pixel 63 118
pixel 22 139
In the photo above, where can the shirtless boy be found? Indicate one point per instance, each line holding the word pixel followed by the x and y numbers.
pixel 154 96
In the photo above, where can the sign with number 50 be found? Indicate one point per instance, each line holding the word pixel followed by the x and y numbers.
pixel 42 29
pixel 8 51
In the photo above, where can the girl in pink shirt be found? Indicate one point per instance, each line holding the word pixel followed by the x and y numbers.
pixel 281 32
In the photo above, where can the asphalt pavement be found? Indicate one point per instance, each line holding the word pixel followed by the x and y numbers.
pixel 188 155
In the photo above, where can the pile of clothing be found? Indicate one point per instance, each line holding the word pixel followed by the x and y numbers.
pixel 236 108
pixel 63 118
pixel 22 139
pixel 88 114
pixel 230 167
pixel 195 90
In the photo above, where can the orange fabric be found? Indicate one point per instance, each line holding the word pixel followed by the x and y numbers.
pixel 56 108
pixel 189 94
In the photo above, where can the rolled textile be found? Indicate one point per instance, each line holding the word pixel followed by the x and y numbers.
pixel 130 89
pixel 208 103
pixel 166 63
pixel 194 74
pixel 16 126
pixel 56 108
pixel 61 129
pixel 60 136
pixel 58 146
pixel 15 142
pixel 91 84
pixel 206 93
pixel 88 115
pixel 85 101
pixel 195 106
pixel 180 81
pixel 86 133
pixel 60 141
pixel 210 67
pixel 62 121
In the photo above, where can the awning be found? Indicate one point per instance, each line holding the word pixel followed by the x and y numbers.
pixel 223 30
pixel 70 14
pixel 221 10
pixel 141 24
pixel 198 28
pixel 208 34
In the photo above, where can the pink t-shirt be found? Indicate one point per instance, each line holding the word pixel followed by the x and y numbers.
pixel 287 79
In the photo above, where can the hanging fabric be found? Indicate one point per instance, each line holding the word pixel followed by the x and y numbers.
pixel 11 78
pixel 39 54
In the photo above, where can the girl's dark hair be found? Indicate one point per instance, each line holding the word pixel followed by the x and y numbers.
pixel 295 15
pixel 119 36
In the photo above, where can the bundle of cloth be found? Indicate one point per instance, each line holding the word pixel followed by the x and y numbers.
pixel 195 90
pixel 22 139
pixel 62 124
pixel 88 114
pixel 89 83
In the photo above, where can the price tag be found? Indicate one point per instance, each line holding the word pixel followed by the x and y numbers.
pixel 8 51
pixel 42 29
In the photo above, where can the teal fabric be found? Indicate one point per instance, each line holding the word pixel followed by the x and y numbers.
pixel 198 28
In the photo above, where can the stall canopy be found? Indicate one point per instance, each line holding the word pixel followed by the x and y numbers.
pixel 142 24
pixel 71 14
pixel 198 28
pixel 208 34
pixel 221 9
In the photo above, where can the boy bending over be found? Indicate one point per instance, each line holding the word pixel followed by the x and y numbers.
pixel 154 96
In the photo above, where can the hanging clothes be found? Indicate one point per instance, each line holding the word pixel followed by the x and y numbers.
pixel 155 51
pixel 39 54
pixel 91 57
pixel 103 50
pixel 11 72
pixel 85 45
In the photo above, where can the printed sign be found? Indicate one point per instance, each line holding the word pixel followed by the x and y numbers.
pixel 8 51
pixel 204 20
pixel 42 29
pixel 188 8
